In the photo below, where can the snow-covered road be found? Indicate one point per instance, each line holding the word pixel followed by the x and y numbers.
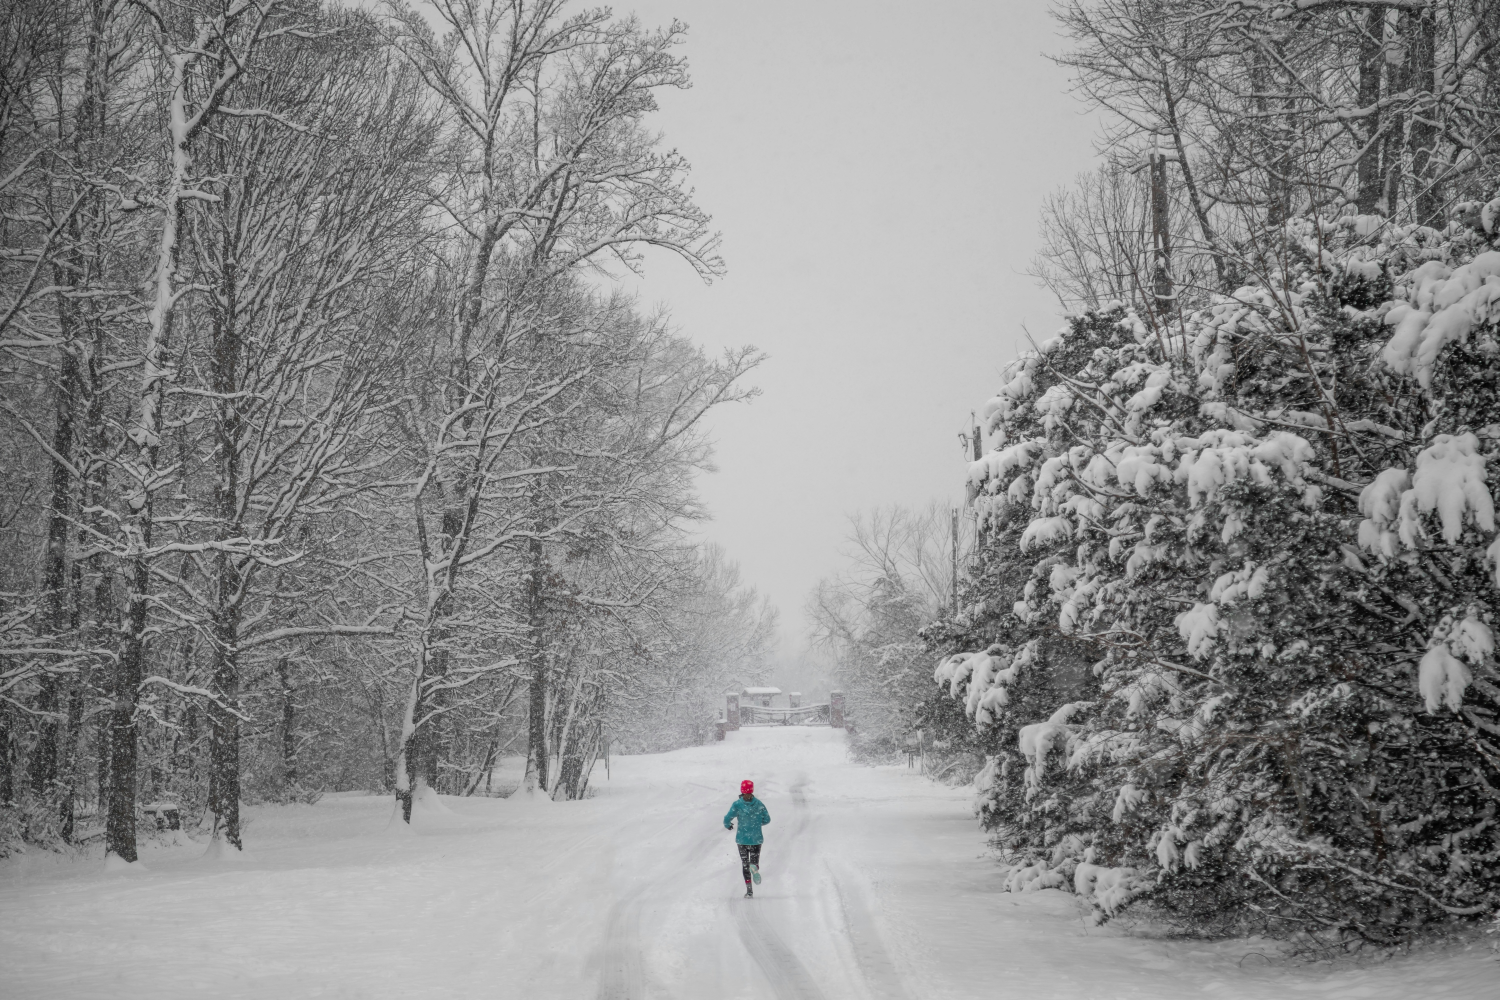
pixel 877 886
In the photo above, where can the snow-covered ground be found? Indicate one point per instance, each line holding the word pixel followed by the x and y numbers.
pixel 877 886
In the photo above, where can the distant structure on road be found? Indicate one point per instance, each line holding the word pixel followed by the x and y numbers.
pixel 759 696
pixel 756 706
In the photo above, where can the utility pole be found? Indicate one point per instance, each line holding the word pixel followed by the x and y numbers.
pixel 955 562
pixel 980 527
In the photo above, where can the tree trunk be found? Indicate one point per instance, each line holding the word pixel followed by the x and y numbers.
pixel 595 747
pixel 288 723
pixel 486 767
pixel 405 778
pixel 103 625
pixel 565 749
pixel 578 763
pixel 537 769
pixel 1275 152
pixel 231 570
pixel 419 752
pixel 416 765
pixel 68 785
pixel 43 761
pixel 1397 78
pixel 7 760
pixel 1425 165
pixel 55 754
pixel 101 777
pixel 224 735
pixel 536 704
pixel 1371 62
pixel 427 743
pixel 119 831
pixel 1222 269
pixel 55 563
pixel 145 479
pixel 570 771
pixel 1161 240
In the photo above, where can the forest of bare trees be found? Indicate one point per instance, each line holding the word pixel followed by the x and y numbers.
pixel 331 456
pixel 1221 121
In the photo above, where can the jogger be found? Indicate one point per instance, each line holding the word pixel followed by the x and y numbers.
pixel 752 814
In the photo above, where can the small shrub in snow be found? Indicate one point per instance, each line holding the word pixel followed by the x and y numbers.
pixel 30 820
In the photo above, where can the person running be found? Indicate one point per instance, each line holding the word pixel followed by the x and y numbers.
pixel 752 814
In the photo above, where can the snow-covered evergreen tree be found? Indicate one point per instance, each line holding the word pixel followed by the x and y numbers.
pixel 1239 571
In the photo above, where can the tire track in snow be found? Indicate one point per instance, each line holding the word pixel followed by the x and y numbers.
pixel 621 977
pixel 622 973
pixel 788 977
pixel 881 977
pixel 880 974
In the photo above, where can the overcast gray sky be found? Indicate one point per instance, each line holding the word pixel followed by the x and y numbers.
pixel 876 169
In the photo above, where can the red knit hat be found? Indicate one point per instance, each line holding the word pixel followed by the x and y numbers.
pixel 747 787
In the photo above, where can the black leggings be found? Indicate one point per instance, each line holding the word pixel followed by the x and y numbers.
pixel 749 855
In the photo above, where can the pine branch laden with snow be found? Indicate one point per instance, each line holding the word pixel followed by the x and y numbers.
pixel 1253 573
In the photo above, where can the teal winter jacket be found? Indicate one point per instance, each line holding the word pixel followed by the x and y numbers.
pixel 752 816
